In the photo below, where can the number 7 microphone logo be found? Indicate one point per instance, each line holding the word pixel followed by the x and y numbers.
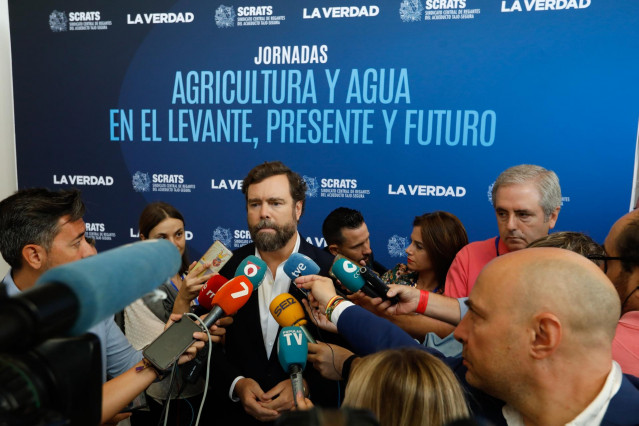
pixel 241 293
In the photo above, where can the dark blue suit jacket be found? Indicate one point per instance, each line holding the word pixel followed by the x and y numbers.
pixel 244 353
pixel 622 410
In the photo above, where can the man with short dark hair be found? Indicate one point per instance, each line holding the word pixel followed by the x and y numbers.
pixel 249 370
pixel 527 200
pixel 346 233
pixel 41 229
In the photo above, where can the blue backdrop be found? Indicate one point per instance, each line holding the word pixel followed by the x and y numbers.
pixel 395 108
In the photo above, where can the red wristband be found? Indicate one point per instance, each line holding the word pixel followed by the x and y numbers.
pixel 423 301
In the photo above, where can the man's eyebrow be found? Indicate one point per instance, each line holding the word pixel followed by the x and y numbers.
pixel 472 306
pixel 268 200
pixel 80 235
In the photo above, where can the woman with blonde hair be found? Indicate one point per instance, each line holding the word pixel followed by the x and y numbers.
pixel 407 387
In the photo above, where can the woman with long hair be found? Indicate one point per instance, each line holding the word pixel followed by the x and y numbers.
pixel 435 240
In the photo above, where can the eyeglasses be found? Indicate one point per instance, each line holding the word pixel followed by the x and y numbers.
pixel 605 259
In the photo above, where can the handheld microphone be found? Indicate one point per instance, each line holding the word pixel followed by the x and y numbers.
pixel 378 285
pixel 287 311
pixel 71 298
pixel 168 346
pixel 205 303
pixel 207 292
pixel 229 299
pixel 348 274
pixel 299 264
pixel 351 276
pixel 292 351
pixel 253 268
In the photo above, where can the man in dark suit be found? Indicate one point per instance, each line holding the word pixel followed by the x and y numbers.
pixel 249 371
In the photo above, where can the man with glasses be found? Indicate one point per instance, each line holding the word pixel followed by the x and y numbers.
pixel 621 265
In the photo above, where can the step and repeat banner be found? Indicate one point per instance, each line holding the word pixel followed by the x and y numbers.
pixel 395 108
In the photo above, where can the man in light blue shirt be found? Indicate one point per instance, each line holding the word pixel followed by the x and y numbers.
pixel 41 229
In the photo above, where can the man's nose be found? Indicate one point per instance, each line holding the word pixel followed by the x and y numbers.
pixel 367 249
pixel 265 211
pixel 460 331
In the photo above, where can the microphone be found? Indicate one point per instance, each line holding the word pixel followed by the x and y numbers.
pixel 379 286
pixel 356 278
pixel 71 298
pixel 299 264
pixel 230 298
pixel 292 350
pixel 287 311
pixel 207 292
pixel 168 346
pixel 253 268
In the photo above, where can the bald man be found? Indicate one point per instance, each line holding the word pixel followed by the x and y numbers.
pixel 537 337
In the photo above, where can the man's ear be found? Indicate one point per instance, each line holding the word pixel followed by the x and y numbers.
pixel 546 335
pixel 333 249
pixel 553 218
pixel 298 210
pixel 34 255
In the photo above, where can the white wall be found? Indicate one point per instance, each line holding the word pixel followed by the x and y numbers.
pixel 8 177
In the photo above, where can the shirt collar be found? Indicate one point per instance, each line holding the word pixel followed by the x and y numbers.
pixel 592 414
pixel 12 288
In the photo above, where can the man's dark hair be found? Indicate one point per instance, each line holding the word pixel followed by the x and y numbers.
pixel 628 245
pixel 30 216
pixel 274 168
pixel 341 217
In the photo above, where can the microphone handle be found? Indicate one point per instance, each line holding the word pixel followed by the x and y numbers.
pixel 193 373
pixel 379 287
pixel 295 372
pixel 215 314
pixel 194 370
pixel 307 333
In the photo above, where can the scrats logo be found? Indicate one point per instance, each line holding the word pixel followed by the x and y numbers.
pixel 225 16
pixel 411 10
pixel 312 188
pixel 396 246
pixel 141 182
pixel 223 235
pixel 77 21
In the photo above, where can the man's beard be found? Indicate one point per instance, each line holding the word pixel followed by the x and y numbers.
pixel 268 241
